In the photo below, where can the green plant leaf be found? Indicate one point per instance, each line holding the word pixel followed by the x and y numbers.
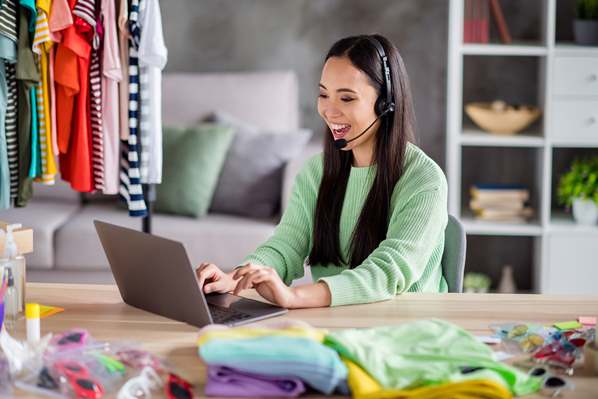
pixel 581 180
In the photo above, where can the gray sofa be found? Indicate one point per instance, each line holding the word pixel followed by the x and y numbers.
pixel 66 248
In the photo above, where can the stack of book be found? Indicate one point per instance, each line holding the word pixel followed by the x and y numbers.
pixel 476 18
pixel 500 202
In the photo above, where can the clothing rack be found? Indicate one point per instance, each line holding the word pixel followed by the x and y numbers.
pixel 150 198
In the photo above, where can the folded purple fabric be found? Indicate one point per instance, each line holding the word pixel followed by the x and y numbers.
pixel 226 381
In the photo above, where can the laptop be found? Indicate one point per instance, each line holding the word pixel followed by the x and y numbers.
pixel 154 274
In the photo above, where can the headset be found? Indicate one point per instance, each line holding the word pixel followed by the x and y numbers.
pixel 384 104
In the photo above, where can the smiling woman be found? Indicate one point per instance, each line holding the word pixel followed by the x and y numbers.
pixel 369 213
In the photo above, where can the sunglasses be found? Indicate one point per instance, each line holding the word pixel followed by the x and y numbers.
pixel 562 351
pixel 141 386
pixel 139 359
pixel 79 379
pixel 111 365
pixel 178 388
pixel 71 339
pixel 552 385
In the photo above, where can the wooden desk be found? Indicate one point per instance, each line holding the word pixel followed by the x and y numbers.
pixel 100 309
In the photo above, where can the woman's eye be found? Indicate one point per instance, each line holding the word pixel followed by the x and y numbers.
pixel 322 96
pixel 346 99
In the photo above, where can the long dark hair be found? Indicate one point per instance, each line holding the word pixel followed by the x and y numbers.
pixel 395 131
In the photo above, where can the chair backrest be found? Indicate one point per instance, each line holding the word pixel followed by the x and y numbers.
pixel 453 257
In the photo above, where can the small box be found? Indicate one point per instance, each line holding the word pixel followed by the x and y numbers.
pixel 23 238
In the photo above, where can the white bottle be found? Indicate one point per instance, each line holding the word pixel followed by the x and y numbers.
pixel 12 259
pixel 33 328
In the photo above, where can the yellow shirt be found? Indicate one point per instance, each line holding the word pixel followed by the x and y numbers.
pixel 41 46
pixel 254 332
pixel 363 386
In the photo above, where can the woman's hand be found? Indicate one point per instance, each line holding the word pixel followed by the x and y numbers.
pixel 215 280
pixel 266 282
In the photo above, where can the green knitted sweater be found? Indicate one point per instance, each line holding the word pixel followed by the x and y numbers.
pixel 407 260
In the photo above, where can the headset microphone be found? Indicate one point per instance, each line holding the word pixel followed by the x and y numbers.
pixel 342 143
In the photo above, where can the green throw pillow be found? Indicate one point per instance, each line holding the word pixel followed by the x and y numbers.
pixel 193 158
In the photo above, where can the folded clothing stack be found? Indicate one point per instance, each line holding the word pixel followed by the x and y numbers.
pixel 394 361
pixel 266 362
pixel 422 359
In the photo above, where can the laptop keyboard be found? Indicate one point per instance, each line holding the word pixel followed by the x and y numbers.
pixel 222 315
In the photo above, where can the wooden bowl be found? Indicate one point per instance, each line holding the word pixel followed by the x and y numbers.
pixel 499 118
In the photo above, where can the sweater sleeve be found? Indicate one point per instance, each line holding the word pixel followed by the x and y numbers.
pixel 401 258
pixel 287 249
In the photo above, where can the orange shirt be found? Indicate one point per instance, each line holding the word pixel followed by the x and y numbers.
pixel 72 110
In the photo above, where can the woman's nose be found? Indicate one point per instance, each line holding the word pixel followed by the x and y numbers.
pixel 331 112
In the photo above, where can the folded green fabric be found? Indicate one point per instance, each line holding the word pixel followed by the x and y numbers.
pixel 193 159
pixel 424 353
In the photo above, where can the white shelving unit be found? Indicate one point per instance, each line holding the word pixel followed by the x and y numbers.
pixel 568 95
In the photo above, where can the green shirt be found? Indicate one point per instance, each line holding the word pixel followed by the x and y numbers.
pixel 407 260
pixel 425 352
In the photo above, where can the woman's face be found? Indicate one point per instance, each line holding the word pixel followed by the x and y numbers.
pixel 346 102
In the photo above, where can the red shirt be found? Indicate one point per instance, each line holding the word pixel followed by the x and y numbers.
pixel 71 74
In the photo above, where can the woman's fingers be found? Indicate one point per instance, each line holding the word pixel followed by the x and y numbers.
pixel 247 281
pixel 248 268
pixel 204 272
pixel 216 286
pixel 243 270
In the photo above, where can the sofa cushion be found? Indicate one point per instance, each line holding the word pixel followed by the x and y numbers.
pixel 251 180
pixel 193 159
pixel 45 217
pixel 220 239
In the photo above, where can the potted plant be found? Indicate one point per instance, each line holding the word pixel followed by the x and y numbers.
pixel 585 26
pixel 476 282
pixel 578 188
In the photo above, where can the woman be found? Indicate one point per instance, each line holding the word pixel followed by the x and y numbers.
pixel 369 213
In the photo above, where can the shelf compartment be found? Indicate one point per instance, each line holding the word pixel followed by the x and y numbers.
pixel 524 87
pixel 486 254
pixel 525 22
pixel 502 165
pixel 560 218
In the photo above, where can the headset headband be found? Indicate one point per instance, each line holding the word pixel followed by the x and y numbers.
pixel 387 80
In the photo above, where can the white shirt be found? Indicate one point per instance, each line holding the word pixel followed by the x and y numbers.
pixel 152 60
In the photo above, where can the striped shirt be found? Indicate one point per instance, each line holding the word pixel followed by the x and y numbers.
pixel 11 130
pixel 8 19
pixel 8 29
pixel 85 9
pixel 131 189
pixel 97 134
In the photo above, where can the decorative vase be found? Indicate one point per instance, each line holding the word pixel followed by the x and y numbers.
pixel 585 211
pixel 586 31
pixel 507 282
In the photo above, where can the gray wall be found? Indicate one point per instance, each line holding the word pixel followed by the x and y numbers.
pixel 242 35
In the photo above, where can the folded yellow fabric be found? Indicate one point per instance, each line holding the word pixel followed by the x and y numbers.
pixel 363 386
pixel 256 332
